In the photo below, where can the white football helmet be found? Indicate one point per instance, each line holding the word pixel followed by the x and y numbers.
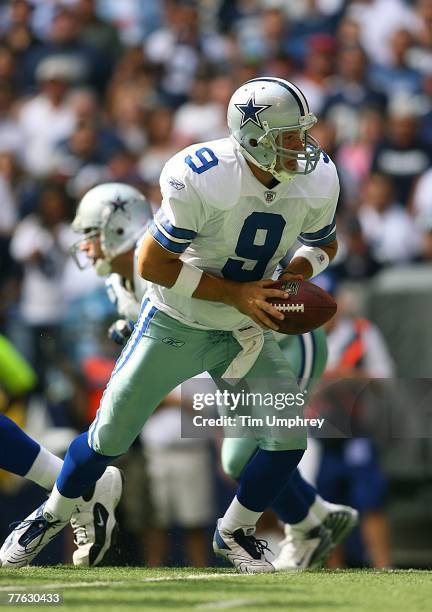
pixel 259 113
pixel 117 214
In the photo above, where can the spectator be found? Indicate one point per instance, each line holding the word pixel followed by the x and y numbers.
pixel 128 113
pixel 264 35
pixel 354 158
pixel 350 92
pixel 160 144
pixel 388 229
pixel 419 56
pixel 402 155
pixel 378 19
pixel 318 67
pixel 92 66
pixel 355 261
pixel 48 117
pixel 24 43
pixel 200 118
pixel 178 49
pixel 40 244
pixel 397 77
pixel 87 145
pixel 95 31
pixel 11 136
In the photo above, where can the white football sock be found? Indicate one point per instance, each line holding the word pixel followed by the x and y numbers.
pixel 321 507
pixel 309 522
pixel 237 516
pixel 45 469
pixel 61 507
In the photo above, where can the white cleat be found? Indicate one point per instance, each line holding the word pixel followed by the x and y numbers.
pixel 28 538
pixel 94 523
pixel 339 522
pixel 242 550
pixel 301 549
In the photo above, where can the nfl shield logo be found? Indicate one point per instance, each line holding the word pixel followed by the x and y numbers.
pixel 269 196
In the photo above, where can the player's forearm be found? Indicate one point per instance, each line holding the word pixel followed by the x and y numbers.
pixel 215 289
pixel 165 272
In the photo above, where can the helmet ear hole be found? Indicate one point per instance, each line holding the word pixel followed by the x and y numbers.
pixel 253 142
pixel 120 231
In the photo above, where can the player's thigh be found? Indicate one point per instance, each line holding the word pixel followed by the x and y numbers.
pixel 160 354
pixel 192 486
pixel 235 454
pixel 273 377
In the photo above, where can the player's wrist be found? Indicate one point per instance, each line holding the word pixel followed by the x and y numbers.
pixel 229 292
pixel 301 267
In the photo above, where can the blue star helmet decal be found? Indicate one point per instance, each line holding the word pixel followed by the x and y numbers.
pixel 250 111
pixel 118 204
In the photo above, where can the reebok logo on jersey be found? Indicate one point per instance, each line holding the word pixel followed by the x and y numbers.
pixel 173 342
pixel 176 183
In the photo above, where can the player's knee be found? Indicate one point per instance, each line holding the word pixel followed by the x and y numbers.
pixel 232 466
pixel 109 445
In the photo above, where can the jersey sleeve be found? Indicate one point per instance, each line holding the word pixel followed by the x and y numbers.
pixel 319 226
pixel 181 215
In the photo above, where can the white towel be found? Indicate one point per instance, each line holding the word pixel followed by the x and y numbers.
pixel 251 339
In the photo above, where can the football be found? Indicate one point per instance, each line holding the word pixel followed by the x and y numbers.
pixel 307 307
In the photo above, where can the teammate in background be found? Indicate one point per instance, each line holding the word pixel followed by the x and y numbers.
pixel 231 209
pixel 350 470
pixel 23 456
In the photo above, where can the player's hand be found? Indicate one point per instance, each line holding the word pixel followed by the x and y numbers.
pixel 250 299
pixel 120 331
pixel 290 276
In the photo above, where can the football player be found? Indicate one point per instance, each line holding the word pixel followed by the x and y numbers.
pixel 22 455
pixel 231 209
pixel 98 220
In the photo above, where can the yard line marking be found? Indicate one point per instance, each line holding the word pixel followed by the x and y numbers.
pixel 74 585
pixel 227 604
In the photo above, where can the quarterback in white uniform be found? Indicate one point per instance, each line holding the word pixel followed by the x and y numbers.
pixel 231 210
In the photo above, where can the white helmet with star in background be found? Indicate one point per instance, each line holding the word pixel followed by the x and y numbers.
pixel 259 113
pixel 117 214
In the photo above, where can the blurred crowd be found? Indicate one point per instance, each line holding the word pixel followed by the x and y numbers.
pixel 101 90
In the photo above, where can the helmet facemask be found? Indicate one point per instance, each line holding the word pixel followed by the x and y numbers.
pixel 287 162
pixel 78 251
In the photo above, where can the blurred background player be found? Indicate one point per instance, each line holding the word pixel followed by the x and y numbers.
pixel 111 219
pixel 349 468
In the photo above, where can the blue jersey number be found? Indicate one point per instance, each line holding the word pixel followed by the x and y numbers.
pixel 207 159
pixel 273 226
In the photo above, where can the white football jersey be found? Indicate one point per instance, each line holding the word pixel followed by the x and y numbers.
pixel 220 218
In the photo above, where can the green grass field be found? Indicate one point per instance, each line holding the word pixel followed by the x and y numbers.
pixel 185 589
